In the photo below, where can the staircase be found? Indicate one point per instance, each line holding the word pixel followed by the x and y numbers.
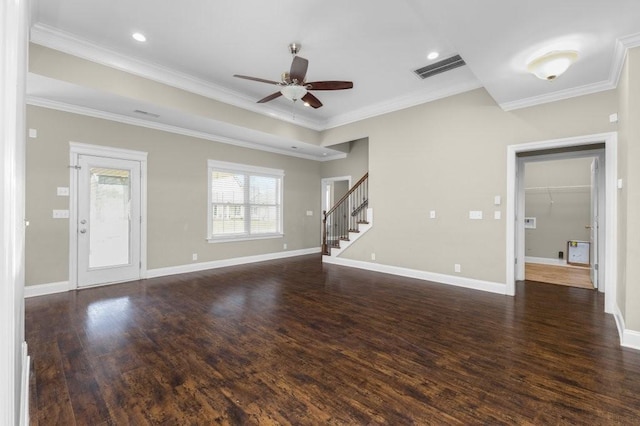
pixel 348 220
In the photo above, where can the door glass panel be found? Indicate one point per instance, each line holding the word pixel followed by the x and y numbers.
pixel 109 214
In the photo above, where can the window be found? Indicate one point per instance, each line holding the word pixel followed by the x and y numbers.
pixel 245 202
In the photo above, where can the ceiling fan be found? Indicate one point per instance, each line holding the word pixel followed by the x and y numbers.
pixel 293 85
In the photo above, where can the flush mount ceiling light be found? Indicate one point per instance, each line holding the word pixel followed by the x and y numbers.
pixel 553 64
pixel 433 55
pixel 139 37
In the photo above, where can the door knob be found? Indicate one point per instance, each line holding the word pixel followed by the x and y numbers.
pixel 82 231
pixel 83 221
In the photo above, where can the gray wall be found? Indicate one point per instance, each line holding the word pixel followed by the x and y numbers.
pixel 177 193
pixel 450 156
pixel 629 194
pixel 355 165
pixel 558 195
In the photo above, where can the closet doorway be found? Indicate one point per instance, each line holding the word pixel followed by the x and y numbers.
pixel 561 218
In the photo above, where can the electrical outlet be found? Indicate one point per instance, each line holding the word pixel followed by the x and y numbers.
pixel 62 191
pixel 432 214
pixel 309 212
pixel 373 256
pixel 194 256
pixel 284 246
pixel 456 267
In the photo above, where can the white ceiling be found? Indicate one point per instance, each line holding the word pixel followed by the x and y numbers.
pixel 199 44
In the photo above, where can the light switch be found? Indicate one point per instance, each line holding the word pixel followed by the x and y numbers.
pixel 497 214
pixel 497 200
pixel 475 214
pixel 309 213
pixel 33 133
pixel 432 214
pixel 619 183
pixel 63 191
pixel 61 214
pixel 613 118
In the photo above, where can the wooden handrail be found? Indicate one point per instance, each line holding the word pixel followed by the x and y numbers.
pixel 353 188
pixel 342 220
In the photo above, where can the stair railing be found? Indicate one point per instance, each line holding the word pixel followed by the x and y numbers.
pixel 345 215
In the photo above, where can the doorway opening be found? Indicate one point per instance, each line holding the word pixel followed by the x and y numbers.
pixel 563 194
pixel 332 190
pixel 607 229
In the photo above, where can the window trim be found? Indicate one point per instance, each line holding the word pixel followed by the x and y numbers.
pixel 249 170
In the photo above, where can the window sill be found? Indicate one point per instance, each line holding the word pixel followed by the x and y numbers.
pixel 243 238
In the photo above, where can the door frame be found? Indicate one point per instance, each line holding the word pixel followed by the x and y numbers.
pixel 610 141
pixel 323 186
pixel 77 149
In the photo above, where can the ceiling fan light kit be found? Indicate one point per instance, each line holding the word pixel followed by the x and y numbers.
pixel 553 64
pixel 293 84
pixel 293 92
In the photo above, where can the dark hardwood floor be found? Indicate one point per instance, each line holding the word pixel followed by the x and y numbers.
pixel 297 342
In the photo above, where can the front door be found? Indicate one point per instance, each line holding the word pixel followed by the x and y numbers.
pixel 109 217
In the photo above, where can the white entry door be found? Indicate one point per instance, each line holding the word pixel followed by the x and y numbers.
pixel 108 220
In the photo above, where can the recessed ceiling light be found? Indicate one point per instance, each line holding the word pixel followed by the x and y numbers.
pixel 433 55
pixel 139 37
pixel 307 104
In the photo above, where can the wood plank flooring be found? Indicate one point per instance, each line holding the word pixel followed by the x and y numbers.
pixel 294 341
pixel 575 276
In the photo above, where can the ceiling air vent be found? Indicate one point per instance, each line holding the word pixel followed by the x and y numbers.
pixel 147 113
pixel 440 67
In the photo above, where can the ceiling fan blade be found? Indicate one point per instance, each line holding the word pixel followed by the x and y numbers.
pixel 330 85
pixel 312 100
pixel 298 69
pixel 270 97
pixel 261 80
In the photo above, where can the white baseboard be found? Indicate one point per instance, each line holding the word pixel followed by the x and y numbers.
pixel 631 339
pixel 470 283
pixel 617 315
pixel 202 266
pixel 628 338
pixel 24 400
pixel 44 289
pixel 545 261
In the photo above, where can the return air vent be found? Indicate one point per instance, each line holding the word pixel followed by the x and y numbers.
pixel 148 114
pixel 440 67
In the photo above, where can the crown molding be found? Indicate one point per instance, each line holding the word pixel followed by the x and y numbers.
pixel 400 103
pixel 630 41
pixel 52 38
pixel 90 112
pixel 560 95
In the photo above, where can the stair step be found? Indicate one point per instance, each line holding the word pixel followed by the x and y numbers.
pixel 363 222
